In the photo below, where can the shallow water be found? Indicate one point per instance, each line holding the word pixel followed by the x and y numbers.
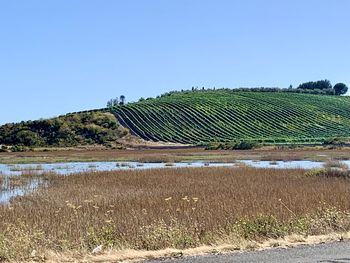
pixel 29 187
pixel 77 167
pixel 284 164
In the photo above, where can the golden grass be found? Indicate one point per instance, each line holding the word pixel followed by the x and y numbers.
pixel 177 208
pixel 173 155
pixel 335 164
pixel 2 177
pixel 129 255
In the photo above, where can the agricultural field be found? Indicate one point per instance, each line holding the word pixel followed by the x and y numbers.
pixel 202 117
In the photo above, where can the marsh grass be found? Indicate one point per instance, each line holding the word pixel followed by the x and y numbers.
pixel 336 164
pixel 333 168
pixel 180 208
pixel 159 158
pixel 2 182
pixel 174 155
pixel 24 180
pixel 16 181
pixel 62 167
pixel 16 168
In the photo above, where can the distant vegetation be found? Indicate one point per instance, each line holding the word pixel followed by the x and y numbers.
pixel 116 101
pixel 323 87
pixel 68 130
pixel 234 119
pixel 320 87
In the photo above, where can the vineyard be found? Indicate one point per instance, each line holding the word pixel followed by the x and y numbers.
pixel 224 116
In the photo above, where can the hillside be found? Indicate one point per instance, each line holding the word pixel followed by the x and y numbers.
pixel 74 129
pixel 201 117
pixel 192 117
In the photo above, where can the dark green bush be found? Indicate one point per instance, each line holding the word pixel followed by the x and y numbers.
pixel 263 226
pixel 240 145
pixel 73 129
pixel 334 141
pixel 244 145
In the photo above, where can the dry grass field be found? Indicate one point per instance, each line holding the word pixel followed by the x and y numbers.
pixel 171 154
pixel 178 208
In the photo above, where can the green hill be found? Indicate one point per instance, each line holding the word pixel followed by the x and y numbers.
pixel 201 117
pixel 207 117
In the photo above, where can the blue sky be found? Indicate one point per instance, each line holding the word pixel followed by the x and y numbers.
pixel 61 56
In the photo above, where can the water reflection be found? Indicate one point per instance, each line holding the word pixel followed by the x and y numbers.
pixel 8 189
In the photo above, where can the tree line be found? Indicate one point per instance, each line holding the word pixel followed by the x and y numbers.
pixel 320 87
pixel 324 87
pixel 116 101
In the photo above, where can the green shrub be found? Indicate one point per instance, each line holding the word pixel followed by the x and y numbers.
pixel 261 226
pixel 334 141
pixel 331 169
pixel 162 235
pixel 18 148
pixel 328 219
pixel 3 148
pixel 244 145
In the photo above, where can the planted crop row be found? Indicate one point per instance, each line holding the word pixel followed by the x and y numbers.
pixel 223 116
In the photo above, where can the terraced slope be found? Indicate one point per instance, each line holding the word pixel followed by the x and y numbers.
pixel 224 116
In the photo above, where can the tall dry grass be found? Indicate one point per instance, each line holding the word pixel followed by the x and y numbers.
pixel 153 209
pixel 172 155
pixel 2 177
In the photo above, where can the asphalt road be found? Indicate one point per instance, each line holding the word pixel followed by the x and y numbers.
pixel 336 252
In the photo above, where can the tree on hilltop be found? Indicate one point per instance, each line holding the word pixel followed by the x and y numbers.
pixel 122 100
pixel 112 102
pixel 316 85
pixel 115 102
pixel 340 88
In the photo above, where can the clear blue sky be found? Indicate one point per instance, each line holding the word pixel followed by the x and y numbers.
pixel 60 56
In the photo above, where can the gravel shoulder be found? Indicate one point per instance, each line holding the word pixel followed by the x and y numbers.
pixel 334 252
